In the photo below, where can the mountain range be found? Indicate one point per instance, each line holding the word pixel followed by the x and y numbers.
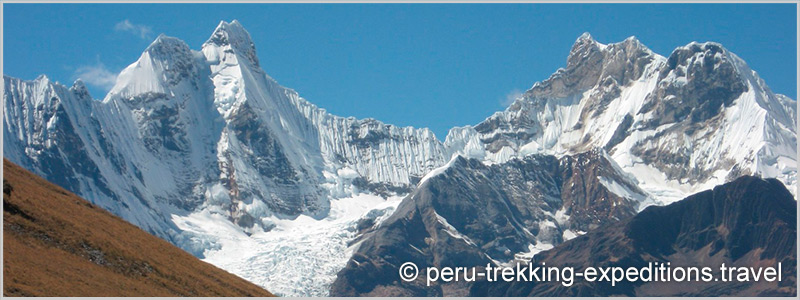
pixel 203 149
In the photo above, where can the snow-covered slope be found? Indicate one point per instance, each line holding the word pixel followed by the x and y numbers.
pixel 188 135
pixel 60 133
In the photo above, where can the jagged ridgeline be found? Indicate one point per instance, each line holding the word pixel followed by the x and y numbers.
pixel 205 150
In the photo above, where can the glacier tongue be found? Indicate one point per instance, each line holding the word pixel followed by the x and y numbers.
pixel 297 257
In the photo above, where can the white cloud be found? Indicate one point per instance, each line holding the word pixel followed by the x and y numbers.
pixel 97 75
pixel 140 30
pixel 511 97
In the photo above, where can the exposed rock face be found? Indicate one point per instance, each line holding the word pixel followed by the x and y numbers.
pixel 750 222
pixel 471 214
pixel 591 63
pixel 594 76
pixel 695 84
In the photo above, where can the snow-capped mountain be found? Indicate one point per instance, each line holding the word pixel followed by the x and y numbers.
pixel 204 149
pixel 208 128
pixel 184 135
pixel 680 124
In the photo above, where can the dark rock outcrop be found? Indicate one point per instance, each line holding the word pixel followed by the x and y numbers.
pixel 472 214
pixel 750 222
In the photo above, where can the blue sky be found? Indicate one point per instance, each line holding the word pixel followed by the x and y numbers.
pixel 424 65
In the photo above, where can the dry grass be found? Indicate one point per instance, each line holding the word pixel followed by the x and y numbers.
pixel 57 244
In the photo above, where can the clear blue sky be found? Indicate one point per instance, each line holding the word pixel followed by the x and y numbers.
pixel 424 65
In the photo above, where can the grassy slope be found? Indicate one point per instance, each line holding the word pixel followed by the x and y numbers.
pixel 57 244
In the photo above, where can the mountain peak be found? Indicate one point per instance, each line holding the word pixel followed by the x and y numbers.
pixel 79 88
pixel 706 48
pixel 633 44
pixel 711 49
pixel 587 44
pixel 711 53
pixel 233 35
pixel 161 38
pixel 42 78
pixel 164 63
pixel 584 47
pixel 225 32
pixel 166 46
pixel 586 36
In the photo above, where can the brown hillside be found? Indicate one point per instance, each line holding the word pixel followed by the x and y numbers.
pixel 57 244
